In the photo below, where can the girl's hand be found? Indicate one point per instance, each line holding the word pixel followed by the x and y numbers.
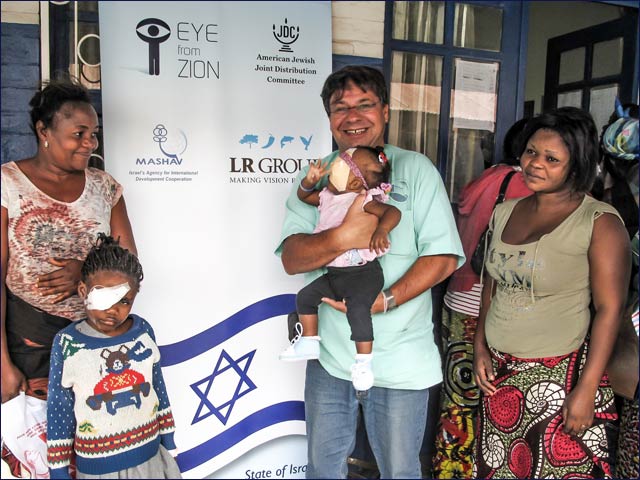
pixel 379 241
pixel 317 170
pixel 174 452
pixel 13 382
pixel 483 370
pixel 578 410
pixel 63 283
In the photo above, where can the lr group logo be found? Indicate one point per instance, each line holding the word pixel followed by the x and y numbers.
pixel 251 139
pixel 153 31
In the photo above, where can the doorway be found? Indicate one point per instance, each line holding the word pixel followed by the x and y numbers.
pixel 580 54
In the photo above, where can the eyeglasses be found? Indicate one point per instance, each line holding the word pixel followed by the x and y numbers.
pixel 362 108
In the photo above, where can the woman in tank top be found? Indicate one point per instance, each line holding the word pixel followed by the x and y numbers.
pixel 547 407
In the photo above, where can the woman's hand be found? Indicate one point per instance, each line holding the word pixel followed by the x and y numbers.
pixel 63 283
pixel 578 409
pixel 13 381
pixel 483 370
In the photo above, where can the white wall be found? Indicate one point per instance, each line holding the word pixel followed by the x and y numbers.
pixel 358 28
pixel 20 12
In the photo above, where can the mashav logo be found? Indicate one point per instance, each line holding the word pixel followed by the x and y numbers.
pixel 172 146
pixel 153 31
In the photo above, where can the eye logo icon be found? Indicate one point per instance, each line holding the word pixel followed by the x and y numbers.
pixel 286 35
pixel 153 31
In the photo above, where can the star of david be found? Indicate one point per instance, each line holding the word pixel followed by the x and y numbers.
pixel 244 386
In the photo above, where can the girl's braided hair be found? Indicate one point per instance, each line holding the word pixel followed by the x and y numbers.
pixel 108 255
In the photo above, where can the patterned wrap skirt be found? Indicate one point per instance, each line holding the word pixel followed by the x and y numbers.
pixel 520 426
pixel 454 441
pixel 627 459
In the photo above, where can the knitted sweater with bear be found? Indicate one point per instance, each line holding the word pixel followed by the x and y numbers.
pixel 107 401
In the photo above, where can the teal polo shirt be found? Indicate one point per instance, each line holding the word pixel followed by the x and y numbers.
pixel 405 355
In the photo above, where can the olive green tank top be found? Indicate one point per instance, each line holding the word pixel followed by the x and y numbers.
pixel 541 305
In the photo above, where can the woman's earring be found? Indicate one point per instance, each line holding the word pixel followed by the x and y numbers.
pixel 46 144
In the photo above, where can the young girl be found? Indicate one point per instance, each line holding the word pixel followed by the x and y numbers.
pixel 107 399
pixel 356 275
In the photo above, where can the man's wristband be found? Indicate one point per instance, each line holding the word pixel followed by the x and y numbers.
pixel 389 300
pixel 304 189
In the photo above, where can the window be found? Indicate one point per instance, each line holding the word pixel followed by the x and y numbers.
pixel 447 67
pixel 74 48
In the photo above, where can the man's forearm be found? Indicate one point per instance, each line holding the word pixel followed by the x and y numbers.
pixel 304 252
pixel 426 272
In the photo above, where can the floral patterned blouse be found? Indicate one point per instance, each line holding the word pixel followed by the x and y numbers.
pixel 41 227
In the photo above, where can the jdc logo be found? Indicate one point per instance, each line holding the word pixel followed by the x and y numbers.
pixel 286 35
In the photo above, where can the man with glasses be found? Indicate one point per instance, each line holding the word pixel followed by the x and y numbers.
pixel 425 249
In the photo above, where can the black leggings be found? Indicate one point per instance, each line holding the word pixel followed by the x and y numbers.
pixel 30 332
pixel 358 286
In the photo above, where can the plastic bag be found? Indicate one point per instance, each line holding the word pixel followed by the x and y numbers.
pixel 24 432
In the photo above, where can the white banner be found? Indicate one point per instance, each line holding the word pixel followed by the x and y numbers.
pixel 210 109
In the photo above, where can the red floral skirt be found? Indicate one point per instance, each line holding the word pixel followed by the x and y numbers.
pixel 520 426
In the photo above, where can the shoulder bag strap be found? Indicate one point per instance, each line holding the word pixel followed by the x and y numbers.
pixel 503 187
pixel 500 199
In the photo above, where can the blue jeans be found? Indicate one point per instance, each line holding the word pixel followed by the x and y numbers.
pixel 395 421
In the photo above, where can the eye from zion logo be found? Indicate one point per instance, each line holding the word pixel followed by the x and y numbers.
pixel 194 40
pixel 172 144
pixel 153 31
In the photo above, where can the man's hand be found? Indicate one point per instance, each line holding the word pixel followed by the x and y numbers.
pixel 358 226
pixel 377 307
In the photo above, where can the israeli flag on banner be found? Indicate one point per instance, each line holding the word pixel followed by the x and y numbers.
pixel 210 112
pixel 241 393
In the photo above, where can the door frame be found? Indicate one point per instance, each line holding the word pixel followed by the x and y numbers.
pixel 511 59
pixel 625 27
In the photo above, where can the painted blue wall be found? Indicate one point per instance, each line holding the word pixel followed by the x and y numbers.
pixel 340 61
pixel 20 70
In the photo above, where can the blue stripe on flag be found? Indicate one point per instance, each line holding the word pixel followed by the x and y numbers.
pixel 280 412
pixel 221 332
